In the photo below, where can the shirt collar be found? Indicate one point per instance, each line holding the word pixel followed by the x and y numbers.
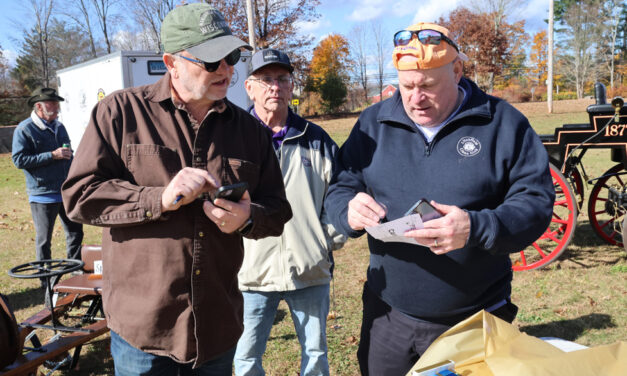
pixel 218 106
pixel 41 123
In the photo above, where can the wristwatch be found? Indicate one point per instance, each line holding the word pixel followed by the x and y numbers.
pixel 246 227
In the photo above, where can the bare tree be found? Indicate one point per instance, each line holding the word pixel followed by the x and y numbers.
pixel 103 11
pixel 358 43
pixel 276 26
pixel 149 14
pixel 42 10
pixel 81 16
pixel 610 29
pixel 5 85
pixel 380 53
pixel 581 21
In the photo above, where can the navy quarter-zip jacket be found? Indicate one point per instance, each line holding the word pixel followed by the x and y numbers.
pixel 487 160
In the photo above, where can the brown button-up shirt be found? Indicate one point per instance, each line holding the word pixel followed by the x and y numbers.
pixel 170 280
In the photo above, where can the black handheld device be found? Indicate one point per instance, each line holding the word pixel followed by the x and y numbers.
pixel 232 192
pixel 425 209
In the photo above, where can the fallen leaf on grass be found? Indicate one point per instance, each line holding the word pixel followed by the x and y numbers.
pixel 352 340
pixel 332 315
pixel 561 311
pixel 538 294
pixel 592 302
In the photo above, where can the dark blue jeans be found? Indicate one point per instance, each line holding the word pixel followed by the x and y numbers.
pixel 130 361
pixel 44 216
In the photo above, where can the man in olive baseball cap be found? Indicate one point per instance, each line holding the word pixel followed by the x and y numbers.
pixel 201 30
pixel 148 158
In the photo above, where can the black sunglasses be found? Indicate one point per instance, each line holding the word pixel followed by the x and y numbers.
pixel 230 59
pixel 426 36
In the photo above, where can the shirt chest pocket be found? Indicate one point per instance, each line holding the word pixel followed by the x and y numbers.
pixel 238 170
pixel 45 144
pixel 152 165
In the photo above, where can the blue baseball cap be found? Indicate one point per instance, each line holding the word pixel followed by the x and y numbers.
pixel 270 56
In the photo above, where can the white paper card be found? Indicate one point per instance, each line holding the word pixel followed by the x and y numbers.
pixel 393 231
pixel 97 266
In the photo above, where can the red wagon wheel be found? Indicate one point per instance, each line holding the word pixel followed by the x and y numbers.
pixel 605 217
pixel 559 233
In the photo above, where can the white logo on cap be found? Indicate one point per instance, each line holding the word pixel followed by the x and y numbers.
pixel 211 21
pixel 270 55
pixel 468 146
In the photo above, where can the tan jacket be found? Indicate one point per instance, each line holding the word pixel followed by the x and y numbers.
pixel 170 285
pixel 301 256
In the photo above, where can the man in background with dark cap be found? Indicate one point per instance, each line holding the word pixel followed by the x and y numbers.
pixel 477 160
pixel 41 147
pixel 295 266
pixel 147 167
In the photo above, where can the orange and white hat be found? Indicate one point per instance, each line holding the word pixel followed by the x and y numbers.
pixel 414 52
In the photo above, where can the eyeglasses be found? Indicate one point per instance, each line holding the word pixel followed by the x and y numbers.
pixel 283 81
pixel 231 59
pixel 426 36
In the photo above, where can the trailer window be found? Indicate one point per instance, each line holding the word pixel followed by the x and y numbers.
pixel 156 67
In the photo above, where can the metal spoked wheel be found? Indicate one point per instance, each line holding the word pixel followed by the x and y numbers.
pixel 45 268
pixel 605 217
pixel 576 181
pixel 559 233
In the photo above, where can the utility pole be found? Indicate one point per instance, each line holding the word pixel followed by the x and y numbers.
pixel 549 78
pixel 251 24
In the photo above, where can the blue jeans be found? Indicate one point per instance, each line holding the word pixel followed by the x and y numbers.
pixel 131 361
pixel 309 308
pixel 44 216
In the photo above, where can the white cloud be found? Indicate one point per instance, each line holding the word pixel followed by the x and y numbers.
pixel 366 13
pixel 323 36
pixel 535 13
pixel 430 10
pixel 306 27
pixel 10 56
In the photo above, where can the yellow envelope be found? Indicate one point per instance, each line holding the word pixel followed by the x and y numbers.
pixel 484 345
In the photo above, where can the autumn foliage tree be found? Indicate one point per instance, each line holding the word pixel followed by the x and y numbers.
pixel 276 24
pixel 539 57
pixel 490 51
pixel 328 71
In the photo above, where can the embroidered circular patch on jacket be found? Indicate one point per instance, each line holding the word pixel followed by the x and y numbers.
pixel 235 78
pixel 468 146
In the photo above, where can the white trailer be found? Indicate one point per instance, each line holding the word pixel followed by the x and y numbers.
pixel 83 85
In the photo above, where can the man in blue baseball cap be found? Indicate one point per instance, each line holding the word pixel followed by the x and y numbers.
pixel 295 266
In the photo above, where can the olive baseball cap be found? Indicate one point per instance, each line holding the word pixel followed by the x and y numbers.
pixel 201 30
pixel 44 94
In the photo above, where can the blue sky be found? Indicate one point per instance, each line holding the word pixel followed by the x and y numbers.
pixel 338 16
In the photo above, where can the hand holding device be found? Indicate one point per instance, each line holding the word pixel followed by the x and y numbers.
pixel 425 209
pixel 232 192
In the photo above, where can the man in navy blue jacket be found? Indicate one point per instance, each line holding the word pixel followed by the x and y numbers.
pixel 482 166
pixel 41 147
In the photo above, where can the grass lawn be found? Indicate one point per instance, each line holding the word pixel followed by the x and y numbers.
pixel 581 297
